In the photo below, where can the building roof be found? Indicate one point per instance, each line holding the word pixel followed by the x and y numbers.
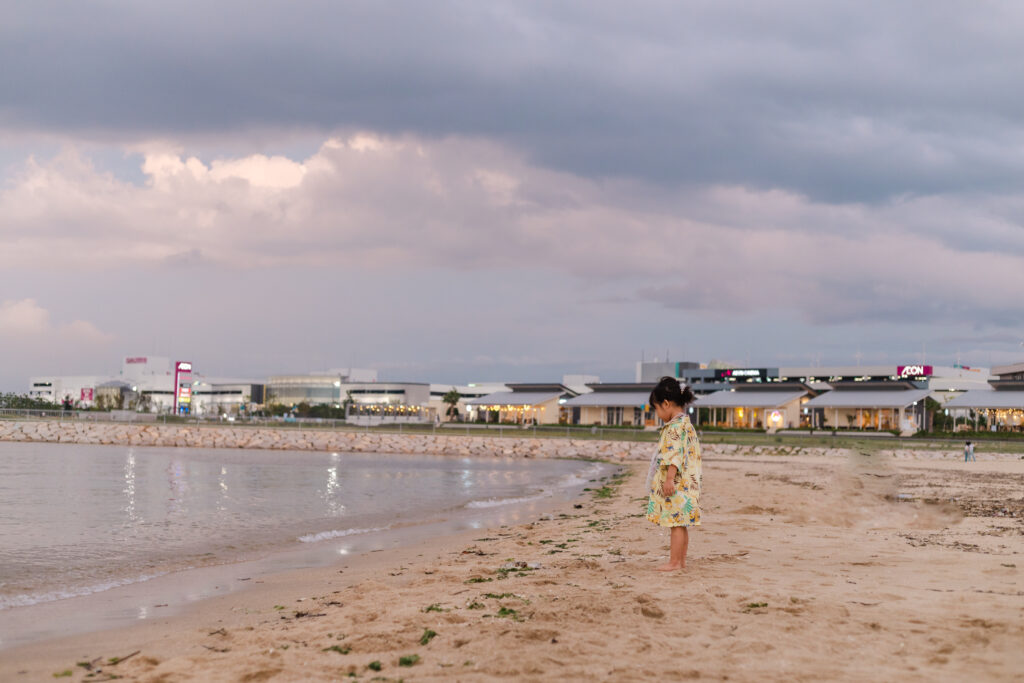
pixel 1007 384
pixel 838 371
pixel 622 386
pixel 868 398
pixel 541 386
pixel 1008 369
pixel 748 399
pixel 515 398
pixel 982 398
pixel 611 398
pixel 878 385
pixel 115 383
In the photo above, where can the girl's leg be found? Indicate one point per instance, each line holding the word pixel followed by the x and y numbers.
pixel 679 541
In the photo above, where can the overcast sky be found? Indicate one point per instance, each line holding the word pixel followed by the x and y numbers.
pixel 471 191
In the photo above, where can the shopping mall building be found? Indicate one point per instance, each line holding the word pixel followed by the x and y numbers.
pixel 1000 406
pixel 877 397
pixel 151 384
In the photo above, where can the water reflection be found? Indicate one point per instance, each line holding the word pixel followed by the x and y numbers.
pixel 129 487
pixel 331 493
pixel 223 486
pixel 177 484
pixel 151 510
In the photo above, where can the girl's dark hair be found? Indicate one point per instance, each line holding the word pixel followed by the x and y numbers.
pixel 668 389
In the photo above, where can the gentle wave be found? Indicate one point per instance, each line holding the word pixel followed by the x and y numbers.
pixel 37 598
pixel 337 533
pixel 566 482
pixel 495 502
pixel 583 477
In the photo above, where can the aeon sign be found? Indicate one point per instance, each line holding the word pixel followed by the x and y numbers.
pixel 182 386
pixel 913 371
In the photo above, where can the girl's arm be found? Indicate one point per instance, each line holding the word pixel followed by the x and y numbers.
pixel 673 458
pixel 669 487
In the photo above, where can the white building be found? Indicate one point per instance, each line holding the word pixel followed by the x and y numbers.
pixel 612 404
pixel 467 392
pixel 1001 404
pixel 79 389
pixel 150 380
pixel 524 404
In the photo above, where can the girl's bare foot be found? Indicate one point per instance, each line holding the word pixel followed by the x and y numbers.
pixel 669 567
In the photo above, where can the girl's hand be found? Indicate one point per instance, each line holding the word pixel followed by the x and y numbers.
pixel 669 486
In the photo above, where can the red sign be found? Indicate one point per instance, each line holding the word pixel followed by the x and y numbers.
pixel 86 395
pixel 912 371
pixel 136 359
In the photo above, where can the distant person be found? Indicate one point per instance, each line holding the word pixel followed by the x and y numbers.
pixel 969 452
pixel 674 477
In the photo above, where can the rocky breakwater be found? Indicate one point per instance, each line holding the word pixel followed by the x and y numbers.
pixel 192 436
pixel 912 451
pixel 224 436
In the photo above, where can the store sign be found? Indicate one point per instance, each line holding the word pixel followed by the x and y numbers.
pixel 913 371
pixel 86 395
pixel 136 360
pixel 182 384
pixel 742 374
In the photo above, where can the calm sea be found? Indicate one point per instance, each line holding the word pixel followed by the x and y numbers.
pixel 79 519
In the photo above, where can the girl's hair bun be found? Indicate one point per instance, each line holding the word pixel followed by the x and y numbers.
pixel 668 389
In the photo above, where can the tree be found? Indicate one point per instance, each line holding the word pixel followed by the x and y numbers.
pixel 106 402
pixel 23 402
pixel 932 409
pixel 143 402
pixel 452 399
pixel 347 402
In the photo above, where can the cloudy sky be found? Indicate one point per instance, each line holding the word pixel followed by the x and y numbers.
pixel 470 191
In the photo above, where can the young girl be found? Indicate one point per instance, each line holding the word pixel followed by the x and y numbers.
pixel 673 481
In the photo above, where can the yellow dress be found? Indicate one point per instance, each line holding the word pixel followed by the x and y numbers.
pixel 678 446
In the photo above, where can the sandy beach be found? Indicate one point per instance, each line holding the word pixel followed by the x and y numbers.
pixel 805 569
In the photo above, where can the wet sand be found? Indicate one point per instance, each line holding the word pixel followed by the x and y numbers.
pixel 805 569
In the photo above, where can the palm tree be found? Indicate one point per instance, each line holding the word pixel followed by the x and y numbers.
pixel 452 399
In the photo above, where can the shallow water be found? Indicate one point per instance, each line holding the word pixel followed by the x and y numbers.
pixel 80 519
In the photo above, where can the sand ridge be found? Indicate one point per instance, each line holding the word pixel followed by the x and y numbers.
pixel 805 569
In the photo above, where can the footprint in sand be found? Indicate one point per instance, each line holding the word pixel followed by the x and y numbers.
pixel 648 608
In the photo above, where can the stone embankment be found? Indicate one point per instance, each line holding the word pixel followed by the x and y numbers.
pixel 192 436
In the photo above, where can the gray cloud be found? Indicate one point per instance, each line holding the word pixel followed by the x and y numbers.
pixel 471 205
pixel 857 102
pixel 508 188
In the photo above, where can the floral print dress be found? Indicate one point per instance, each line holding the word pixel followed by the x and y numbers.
pixel 678 446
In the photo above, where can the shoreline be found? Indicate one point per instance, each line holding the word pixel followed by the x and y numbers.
pixel 294 586
pixel 147 586
pixel 804 569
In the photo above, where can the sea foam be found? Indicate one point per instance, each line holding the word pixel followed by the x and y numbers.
pixel 27 599
pixel 338 533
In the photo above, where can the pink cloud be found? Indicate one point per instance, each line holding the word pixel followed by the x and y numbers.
pixel 24 322
pixel 368 201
